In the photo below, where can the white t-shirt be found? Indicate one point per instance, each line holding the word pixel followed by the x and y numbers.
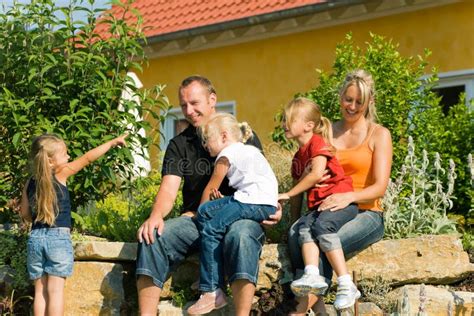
pixel 250 174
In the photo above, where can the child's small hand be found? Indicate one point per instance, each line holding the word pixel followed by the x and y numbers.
pixel 120 141
pixel 283 197
pixel 215 194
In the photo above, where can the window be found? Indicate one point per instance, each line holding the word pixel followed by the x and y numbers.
pixel 452 84
pixel 175 122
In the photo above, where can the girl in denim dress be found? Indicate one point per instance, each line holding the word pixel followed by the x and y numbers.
pixel 45 202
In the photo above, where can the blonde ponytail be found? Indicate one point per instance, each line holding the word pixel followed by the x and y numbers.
pixel 311 112
pixel 43 149
pixel 246 130
pixel 220 122
pixel 324 128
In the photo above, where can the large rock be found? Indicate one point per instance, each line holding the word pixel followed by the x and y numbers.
pixel 167 308
pixel 275 266
pixel 105 251
pixel 425 259
pixel 363 309
pixel 411 299
pixel 95 288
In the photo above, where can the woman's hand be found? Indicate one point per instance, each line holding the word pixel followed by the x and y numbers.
pixel 337 201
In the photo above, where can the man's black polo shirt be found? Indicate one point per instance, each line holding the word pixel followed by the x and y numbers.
pixel 187 158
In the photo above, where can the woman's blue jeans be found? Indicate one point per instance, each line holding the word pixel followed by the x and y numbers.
pixel 214 218
pixel 242 246
pixel 356 235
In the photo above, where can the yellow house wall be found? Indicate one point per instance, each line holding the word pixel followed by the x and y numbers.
pixel 262 76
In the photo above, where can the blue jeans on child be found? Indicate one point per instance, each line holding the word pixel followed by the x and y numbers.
pixel 242 246
pixel 49 251
pixel 214 218
pixel 356 235
pixel 322 227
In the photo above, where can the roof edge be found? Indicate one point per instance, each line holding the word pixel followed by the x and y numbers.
pixel 251 20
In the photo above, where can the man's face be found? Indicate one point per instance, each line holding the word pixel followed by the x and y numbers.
pixel 197 104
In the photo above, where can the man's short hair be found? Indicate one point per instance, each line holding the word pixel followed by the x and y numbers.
pixel 206 83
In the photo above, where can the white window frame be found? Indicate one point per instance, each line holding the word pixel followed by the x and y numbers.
pixel 177 114
pixel 457 78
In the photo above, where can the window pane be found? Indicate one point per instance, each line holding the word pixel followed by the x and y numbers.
pixel 449 96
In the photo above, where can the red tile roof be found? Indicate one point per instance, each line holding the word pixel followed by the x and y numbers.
pixel 167 16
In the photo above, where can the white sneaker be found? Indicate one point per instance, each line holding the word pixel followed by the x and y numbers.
pixel 309 283
pixel 346 295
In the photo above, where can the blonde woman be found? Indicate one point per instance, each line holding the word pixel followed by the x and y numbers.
pixel 364 150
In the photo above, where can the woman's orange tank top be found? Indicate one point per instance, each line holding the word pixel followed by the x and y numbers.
pixel 357 163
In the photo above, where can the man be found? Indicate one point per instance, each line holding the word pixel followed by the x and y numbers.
pixel 165 244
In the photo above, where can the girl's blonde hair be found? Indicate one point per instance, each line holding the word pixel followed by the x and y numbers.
pixel 42 150
pixel 310 112
pixel 365 83
pixel 220 122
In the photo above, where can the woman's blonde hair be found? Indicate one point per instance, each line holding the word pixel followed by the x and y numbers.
pixel 42 150
pixel 310 112
pixel 220 122
pixel 363 80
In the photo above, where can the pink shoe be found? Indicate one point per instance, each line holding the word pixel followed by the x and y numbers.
pixel 208 302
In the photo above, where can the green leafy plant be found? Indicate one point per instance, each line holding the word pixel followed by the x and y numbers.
pixel 119 215
pixel 63 76
pixel 417 201
pixel 406 105
pixel 9 305
pixel 183 295
pixel 13 254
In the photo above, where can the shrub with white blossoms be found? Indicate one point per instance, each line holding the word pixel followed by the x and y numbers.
pixel 417 201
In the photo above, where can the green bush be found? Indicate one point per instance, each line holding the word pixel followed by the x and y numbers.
pixel 13 255
pixel 406 105
pixel 119 216
pixel 417 201
pixel 60 76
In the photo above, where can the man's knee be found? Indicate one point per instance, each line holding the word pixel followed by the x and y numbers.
pixel 244 231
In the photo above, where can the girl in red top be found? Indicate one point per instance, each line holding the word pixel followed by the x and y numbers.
pixel 315 159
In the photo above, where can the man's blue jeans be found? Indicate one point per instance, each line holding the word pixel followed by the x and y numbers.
pixel 214 218
pixel 356 235
pixel 242 246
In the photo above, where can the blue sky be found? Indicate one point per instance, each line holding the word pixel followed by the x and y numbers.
pixel 61 3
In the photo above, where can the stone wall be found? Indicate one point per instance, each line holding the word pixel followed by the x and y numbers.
pixel 103 280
